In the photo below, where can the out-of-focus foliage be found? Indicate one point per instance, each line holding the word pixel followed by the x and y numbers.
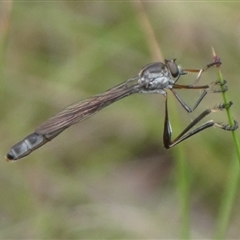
pixel 109 176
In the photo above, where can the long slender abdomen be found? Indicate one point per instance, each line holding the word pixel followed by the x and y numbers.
pixel 69 116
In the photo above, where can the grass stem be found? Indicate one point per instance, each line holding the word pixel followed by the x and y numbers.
pixel 232 183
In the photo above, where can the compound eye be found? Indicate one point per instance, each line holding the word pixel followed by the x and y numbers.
pixel 173 68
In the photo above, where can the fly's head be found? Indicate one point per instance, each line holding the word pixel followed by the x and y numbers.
pixel 160 75
pixel 174 69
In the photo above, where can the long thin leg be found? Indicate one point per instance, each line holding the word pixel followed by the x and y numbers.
pixel 168 143
pixel 185 106
pixel 207 88
pixel 200 71
pixel 193 86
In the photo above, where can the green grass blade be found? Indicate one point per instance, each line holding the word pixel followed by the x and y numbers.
pixel 184 193
pixel 182 169
pixel 228 110
pixel 229 195
pixel 228 199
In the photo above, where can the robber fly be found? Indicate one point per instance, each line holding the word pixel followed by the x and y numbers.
pixel 153 78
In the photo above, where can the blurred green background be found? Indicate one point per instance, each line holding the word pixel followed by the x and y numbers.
pixel 109 176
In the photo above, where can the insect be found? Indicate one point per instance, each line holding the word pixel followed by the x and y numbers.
pixel 153 78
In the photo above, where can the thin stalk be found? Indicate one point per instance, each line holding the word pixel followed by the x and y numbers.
pixel 232 184
pixel 184 192
pixel 183 183
pixel 5 12
pixel 182 169
pixel 227 203
pixel 228 110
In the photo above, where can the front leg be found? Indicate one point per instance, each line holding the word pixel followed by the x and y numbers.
pixel 200 71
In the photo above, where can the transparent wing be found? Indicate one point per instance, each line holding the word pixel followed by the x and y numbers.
pixel 87 107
